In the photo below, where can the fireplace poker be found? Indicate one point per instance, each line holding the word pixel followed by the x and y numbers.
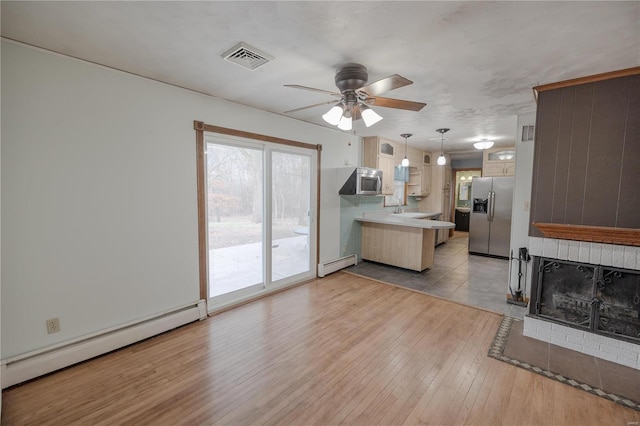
pixel 518 297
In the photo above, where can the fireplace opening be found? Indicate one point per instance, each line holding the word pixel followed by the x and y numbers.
pixel 600 299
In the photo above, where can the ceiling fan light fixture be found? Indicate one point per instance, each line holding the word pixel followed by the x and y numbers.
pixel 483 144
pixel 334 115
pixel 345 121
pixel 369 116
pixel 352 80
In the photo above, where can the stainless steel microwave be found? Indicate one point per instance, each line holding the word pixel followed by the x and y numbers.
pixel 361 181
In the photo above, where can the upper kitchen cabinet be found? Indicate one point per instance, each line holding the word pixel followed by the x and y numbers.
pixel 446 177
pixel 415 157
pixel 419 184
pixel 426 180
pixel 499 162
pixel 382 154
pixel 414 186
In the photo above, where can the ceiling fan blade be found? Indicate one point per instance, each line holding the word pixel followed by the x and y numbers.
pixel 311 106
pixel 388 83
pixel 297 86
pixel 397 103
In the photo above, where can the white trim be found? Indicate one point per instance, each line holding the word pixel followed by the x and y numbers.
pixel 30 365
pixel 242 296
pixel 331 266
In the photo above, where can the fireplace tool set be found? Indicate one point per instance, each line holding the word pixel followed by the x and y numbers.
pixel 518 296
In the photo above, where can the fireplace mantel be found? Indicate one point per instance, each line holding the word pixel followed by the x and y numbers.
pixel 594 234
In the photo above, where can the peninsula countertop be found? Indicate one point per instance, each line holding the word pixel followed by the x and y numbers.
pixel 412 220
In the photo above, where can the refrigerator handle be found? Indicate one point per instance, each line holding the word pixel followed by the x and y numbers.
pixel 493 204
pixel 489 204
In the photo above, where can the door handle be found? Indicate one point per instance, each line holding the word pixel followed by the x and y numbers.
pixel 493 204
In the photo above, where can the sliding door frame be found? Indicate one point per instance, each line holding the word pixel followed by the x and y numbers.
pixel 201 127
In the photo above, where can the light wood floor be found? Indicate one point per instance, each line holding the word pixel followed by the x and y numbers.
pixel 342 349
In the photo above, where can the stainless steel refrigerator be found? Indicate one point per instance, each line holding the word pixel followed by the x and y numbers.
pixel 490 220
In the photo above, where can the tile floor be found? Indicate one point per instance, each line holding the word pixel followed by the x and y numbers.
pixel 472 280
pixel 583 368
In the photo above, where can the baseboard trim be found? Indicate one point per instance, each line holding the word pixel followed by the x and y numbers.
pixel 336 264
pixel 46 360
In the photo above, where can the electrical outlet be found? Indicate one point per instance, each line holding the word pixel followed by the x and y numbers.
pixel 53 325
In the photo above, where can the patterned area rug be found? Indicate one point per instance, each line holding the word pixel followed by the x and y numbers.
pixel 497 351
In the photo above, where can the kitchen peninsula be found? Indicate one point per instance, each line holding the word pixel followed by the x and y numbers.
pixel 406 240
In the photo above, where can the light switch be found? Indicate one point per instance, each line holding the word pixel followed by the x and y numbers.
pixel 526 206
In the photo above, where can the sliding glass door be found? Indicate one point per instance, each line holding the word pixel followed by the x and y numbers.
pixel 235 204
pixel 261 232
pixel 290 198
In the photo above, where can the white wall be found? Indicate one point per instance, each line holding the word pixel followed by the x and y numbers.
pixel 0 258
pixel 345 153
pixel 521 198
pixel 99 220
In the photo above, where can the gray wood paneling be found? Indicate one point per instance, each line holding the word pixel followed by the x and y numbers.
pixel 630 177
pixel 577 165
pixel 587 155
pixel 547 122
pixel 562 156
pixel 605 152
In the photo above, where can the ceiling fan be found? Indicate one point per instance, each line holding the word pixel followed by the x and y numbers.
pixel 356 96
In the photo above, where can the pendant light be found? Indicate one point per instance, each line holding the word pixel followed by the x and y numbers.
pixel 405 160
pixel 442 159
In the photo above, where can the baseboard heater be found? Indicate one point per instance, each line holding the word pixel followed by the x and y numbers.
pixel 42 361
pixel 337 264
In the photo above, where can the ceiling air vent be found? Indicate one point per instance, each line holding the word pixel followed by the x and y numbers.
pixel 246 56
pixel 527 133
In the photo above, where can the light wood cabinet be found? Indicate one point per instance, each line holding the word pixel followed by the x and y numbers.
pixel 384 154
pixel 499 162
pixel 381 154
pixel 415 158
pixel 426 173
pixel 419 184
pixel 443 234
pixel 426 180
pixel 414 186
pixel 446 179
pixel 403 246
pixel 426 159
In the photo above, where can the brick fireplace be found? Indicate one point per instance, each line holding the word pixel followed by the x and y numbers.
pixel 584 228
pixel 585 296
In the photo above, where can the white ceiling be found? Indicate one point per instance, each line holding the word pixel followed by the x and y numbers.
pixel 473 63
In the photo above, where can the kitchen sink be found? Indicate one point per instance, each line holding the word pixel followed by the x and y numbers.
pixel 414 215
